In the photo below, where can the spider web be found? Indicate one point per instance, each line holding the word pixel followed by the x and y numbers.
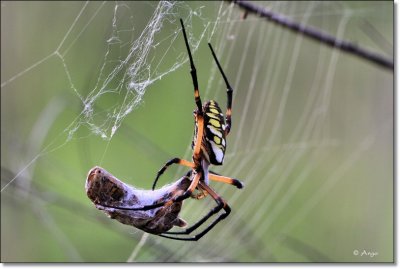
pixel 312 133
pixel 129 67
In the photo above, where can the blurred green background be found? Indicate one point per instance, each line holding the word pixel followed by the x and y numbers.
pixel 312 134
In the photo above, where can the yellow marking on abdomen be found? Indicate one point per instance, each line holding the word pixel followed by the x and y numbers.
pixel 213 110
pixel 211 115
pixel 215 123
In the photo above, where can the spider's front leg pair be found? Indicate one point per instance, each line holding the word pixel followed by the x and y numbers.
pixel 209 141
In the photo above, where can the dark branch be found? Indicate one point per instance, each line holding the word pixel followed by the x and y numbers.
pixel 316 34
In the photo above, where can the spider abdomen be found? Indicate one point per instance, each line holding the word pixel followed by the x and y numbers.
pixel 214 143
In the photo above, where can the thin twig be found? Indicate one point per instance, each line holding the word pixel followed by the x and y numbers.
pixel 316 34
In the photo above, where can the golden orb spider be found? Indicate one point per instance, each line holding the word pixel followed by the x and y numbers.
pixel 208 148
pixel 208 145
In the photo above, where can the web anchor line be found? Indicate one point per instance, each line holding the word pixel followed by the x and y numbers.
pixel 316 34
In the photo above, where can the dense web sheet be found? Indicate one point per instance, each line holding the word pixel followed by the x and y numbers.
pixel 138 69
pixel 312 132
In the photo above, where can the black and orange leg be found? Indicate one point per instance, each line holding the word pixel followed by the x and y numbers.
pixel 192 72
pixel 167 164
pixel 229 92
pixel 228 180
pixel 199 139
pixel 198 115
pixel 196 151
pixel 212 175
pixel 221 204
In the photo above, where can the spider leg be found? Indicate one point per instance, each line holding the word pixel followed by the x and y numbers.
pixel 198 117
pixel 167 164
pixel 212 175
pixel 220 204
pixel 200 222
pixel 233 181
pixel 192 71
pixel 229 92
pixel 197 146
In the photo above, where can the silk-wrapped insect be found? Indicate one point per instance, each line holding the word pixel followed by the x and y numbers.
pixel 117 199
